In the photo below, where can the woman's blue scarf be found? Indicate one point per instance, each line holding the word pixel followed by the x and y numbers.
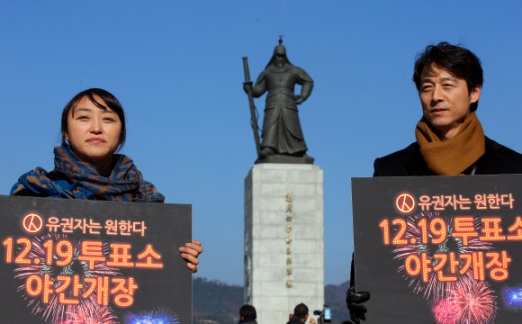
pixel 75 179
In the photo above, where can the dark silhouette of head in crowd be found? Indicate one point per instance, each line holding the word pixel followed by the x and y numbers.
pixel 301 312
pixel 247 313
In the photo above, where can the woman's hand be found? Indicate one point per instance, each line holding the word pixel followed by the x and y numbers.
pixel 190 253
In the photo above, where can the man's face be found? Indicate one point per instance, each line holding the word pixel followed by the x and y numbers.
pixel 445 101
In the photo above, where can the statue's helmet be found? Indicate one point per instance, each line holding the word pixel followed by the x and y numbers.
pixel 280 49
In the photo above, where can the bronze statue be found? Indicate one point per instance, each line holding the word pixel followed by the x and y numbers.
pixel 282 136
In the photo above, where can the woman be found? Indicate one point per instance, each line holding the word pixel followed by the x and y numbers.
pixel 86 166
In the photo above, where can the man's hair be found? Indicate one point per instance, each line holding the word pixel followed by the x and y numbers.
pixel 248 312
pixel 301 311
pixel 458 61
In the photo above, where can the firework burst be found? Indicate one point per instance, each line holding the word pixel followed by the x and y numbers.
pixel 93 314
pixel 443 312
pixel 471 302
pixel 434 288
pixel 159 316
pixel 54 310
pixel 513 297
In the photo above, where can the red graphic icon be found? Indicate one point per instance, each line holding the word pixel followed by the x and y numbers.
pixel 405 203
pixel 32 223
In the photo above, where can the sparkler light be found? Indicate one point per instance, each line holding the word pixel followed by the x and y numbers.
pixel 159 316
pixel 434 288
pixel 513 297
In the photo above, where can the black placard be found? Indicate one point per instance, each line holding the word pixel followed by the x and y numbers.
pixel 439 249
pixel 107 262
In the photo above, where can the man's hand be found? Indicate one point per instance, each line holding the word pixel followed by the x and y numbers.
pixel 353 302
pixel 190 253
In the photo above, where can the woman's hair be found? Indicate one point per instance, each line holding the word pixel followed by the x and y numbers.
pixel 110 100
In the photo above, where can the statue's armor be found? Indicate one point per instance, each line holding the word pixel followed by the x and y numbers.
pixel 281 127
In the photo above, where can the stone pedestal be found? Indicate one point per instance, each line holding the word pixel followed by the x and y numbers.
pixel 284 239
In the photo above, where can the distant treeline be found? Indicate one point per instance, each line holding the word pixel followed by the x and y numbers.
pixel 215 302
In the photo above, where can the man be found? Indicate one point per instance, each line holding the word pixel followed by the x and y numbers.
pixel 247 314
pixel 450 138
pixel 281 131
pixel 300 315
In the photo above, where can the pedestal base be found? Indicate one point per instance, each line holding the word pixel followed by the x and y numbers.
pixel 284 239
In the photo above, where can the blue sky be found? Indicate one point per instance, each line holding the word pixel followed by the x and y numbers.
pixel 176 67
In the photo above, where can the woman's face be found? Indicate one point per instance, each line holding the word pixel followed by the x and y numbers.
pixel 94 133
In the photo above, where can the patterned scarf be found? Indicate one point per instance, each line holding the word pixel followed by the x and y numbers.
pixel 75 179
pixel 454 156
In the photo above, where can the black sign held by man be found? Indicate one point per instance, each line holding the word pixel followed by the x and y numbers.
pixel 442 250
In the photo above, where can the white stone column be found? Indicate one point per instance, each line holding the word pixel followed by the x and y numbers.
pixel 284 239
